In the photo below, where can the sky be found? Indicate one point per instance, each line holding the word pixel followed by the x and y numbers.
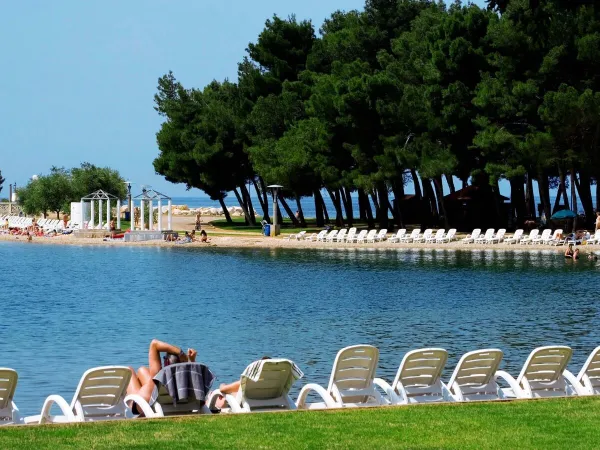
pixel 79 77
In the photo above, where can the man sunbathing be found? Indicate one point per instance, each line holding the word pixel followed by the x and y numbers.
pixel 142 382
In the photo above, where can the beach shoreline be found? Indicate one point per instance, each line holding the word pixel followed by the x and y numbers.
pixel 241 241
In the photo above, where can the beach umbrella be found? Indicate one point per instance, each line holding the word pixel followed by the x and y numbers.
pixel 563 214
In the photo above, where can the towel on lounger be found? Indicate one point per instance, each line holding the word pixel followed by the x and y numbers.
pixel 186 381
pixel 253 371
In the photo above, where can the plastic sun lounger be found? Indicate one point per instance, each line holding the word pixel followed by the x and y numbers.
pixel 398 236
pixel 515 238
pixel 360 237
pixel 298 236
pixel 476 377
pixel 350 236
pixel 317 237
pixel 379 237
pixel 438 235
pixel 322 236
pixel 555 238
pixel 471 237
pixel 9 413
pixel 529 239
pixel 544 375
pixel 498 237
pixel 543 238
pixel 351 383
pixel 448 238
pixel 426 235
pixel 100 395
pixel 594 239
pixel 271 392
pixel 589 375
pixel 340 236
pixel 331 236
pixel 418 378
pixel 489 234
pixel 369 237
pixel 411 237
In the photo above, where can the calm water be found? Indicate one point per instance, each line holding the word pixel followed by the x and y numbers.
pixel 66 309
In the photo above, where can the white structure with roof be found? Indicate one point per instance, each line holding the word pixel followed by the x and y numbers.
pixel 147 198
pixel 99 196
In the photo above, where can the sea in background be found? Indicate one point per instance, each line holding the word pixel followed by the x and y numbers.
pixel 308 204
pixel 69 308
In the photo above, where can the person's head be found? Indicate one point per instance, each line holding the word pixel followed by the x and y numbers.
pixel 570 246
pixel 193 233
pixel 187 234
pixel 171 359
pixel 265 357
pixel 203 233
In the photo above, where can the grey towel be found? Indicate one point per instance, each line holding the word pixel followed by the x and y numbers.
pixel 186 380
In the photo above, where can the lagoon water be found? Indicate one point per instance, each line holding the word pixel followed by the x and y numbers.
pixel 68 308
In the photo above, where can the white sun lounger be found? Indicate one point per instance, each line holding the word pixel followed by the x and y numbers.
pixel 544 375
pixel 350 236
pixel 589 375
pixel 100 395
pixel 475 377
pixel 360 237
pixel 317 237
pixel 398 236
pixel 594 239
pixel 533 234
pixel 423 238
pixel 434 238
pixel 498 237
pixel 323 237
pixel 378 237
pixel 297 236
pixel 351 382
pixel 412 236
pixel 418 378
pixel 370 237
pixel 515 238
pixel 341 236
pixel 448 238
pixel 9 413
pixel 264 386
pixel 471 237
pixel 332 235
pixel 555 239
pixel 489 234
pixel 543 238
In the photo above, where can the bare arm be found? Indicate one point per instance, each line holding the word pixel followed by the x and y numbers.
pixel 230 388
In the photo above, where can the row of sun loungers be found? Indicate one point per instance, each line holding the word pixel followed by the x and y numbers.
pixel 440 237
pixel 266 384
pixel 22 223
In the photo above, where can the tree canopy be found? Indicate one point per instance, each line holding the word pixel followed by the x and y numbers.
pixel 404 91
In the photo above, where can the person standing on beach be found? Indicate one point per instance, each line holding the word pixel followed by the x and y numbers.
pixel 597 220
pixel 198 221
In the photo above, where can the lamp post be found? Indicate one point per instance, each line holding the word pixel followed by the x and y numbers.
pixel 129 204
pixel 275 192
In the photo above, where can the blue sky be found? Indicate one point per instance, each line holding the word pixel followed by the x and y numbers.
pixel 79 77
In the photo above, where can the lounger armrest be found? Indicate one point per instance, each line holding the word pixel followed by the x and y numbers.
pixel 212 399
pixel 230 399
pixel 142 405
pixel 64 408
pixel 391 396
pixel 319 390
pixel 446 394
pixel 16 414
pixel 516 389
pixel 575 384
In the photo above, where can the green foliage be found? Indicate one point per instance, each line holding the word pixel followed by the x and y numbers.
pixel 2 180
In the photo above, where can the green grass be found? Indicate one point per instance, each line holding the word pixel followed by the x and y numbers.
pixel 563 423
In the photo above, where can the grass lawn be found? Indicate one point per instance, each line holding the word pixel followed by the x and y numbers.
pixel 562 423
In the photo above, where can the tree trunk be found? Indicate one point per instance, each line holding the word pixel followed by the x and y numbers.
pixel 398 190
pixel 362 209
pixel 225 211
pixel 450 181
pixel 585 194
pixel 418 193
pixel 337 204
pixel 264 203
pixel 544 191
pixel 368 212
pixel 518 202
pixel 439 190
pixel 348 205
pixel 249 205
pixel 289 212
pixel 375 201
pixel 429 204
pixel 242 205
pixel 300 212
pixel 530 198
pixel 319 208
pixel 382 205
pixel 464 182
pixel 563 181
pixel 573 192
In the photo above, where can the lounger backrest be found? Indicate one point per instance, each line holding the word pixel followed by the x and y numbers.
pixel 371 234
pixel 332 234
pixel 489 233
pixel 272 388
pixel 589 375
pixel 546 233
pixel 401 232
pixel 415 233
pixel 101 390
pixel 476 233
pixel 451 233
pixel 542 374
pixel 322 234
pixel 351 233
pixel 342 233
pixel 428 233
pixel 557 233
pixel 353 373
pixel 420 371
pixel 382 233
pixel 8 384
pixel 474 373
pixel 518 234
pixel 534 233
pixel 362 234
pixel 501 233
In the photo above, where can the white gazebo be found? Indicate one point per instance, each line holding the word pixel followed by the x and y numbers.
pixel 99 196
pixel 147 198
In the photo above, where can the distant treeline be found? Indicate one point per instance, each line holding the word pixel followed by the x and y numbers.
pixel 405 91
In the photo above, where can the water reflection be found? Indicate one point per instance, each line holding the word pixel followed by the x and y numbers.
pixel 237 305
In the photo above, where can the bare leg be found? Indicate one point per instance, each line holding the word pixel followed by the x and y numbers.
pixel 134 383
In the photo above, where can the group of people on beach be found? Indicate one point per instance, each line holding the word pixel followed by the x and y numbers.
pixel 34 230
pixel 142 381
pixel 187 238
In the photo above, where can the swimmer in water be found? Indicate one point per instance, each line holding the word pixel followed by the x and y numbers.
pixel 572 254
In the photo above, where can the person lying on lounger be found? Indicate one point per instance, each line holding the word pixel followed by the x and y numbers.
pixel 231 388
pixel 142 382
